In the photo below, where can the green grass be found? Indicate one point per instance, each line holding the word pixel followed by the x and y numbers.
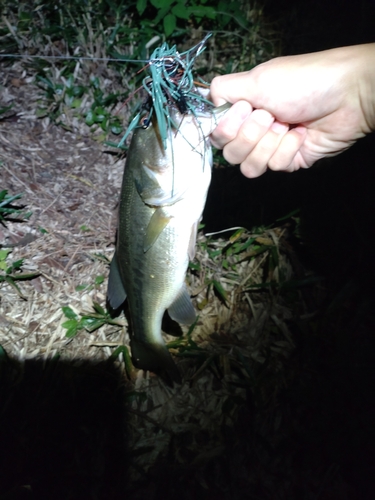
pixel 89 321
pixel 11 272
pixel 9 211
pixel 120 31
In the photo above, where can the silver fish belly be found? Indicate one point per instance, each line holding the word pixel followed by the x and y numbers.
pixel 162 199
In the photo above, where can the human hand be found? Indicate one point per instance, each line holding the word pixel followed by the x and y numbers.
pixel 291 111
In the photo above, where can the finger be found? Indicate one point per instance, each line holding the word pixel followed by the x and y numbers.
pixel 231 122
pixel 256 163
pixel 288 148
pixel 230 88
pixel 249 134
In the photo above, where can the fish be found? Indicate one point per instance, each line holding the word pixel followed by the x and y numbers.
pixel 163 194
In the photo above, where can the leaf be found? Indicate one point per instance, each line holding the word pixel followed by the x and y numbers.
pixel 116 129
pixel 46 82
pixel 102 258
pixel 122 349
pixel 79 288
pixel 15 265
pixel 11 282
pixel 162 12
pixel 202 11
pixel 91 324
pixel 69 313
pixel 90 118
pixel 95 82
pixel 194 266
pixel 220 290
pixel 70 324
pixel 76 103
pixel 100 114
pixel 28 276
pixel 202 304
pixel 104 124
pixel 3 110
pixel 72 332
pixel 141 6
pixel 264 240
pixel 78 91
pixel 7 200
pixel 236 235
pixel 173 344
pixel 4 254
pixel 169 23
pixel 98 308
pixel 161 4
pixel 181 11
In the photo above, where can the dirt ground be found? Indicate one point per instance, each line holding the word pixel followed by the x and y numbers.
pixel 71 182
pixel 71 186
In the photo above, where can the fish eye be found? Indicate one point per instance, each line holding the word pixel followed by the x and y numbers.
pixel 145 122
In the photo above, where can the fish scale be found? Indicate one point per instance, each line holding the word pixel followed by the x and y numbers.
pixel 162 199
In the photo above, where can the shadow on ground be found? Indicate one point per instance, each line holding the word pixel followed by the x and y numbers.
pixel 62 431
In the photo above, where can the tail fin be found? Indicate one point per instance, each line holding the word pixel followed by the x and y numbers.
pixel 154 357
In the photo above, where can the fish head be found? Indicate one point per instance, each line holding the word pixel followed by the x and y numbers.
pixel 163 175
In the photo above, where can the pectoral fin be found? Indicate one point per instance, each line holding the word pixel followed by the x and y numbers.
pixel 155 227
pixel 116 293
pixel 182 310
pixel 154 194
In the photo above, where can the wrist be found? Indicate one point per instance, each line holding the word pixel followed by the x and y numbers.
pixel 366 86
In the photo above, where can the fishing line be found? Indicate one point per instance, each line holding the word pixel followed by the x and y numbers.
pixel 199 47
pixel 76 58
pixel 169 83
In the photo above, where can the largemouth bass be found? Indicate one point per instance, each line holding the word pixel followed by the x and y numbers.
pixel 162 199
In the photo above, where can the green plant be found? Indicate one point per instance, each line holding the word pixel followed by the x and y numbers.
pixel 10 271
pixel 10 212
pixel 122 349
pixel 225 257
pixel 122 35
pixel 172 11
pixel 89 321
pixel 97 281
pixel 68 97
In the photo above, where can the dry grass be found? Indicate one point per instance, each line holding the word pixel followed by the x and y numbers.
pixel 71 184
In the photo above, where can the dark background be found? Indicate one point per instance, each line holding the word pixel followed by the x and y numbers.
pixel 337 208
pixel 336 195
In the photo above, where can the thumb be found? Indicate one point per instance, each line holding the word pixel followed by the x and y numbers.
pixel 233 88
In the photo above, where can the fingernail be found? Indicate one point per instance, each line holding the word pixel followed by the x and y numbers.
pixel 279 128
pixel 300 129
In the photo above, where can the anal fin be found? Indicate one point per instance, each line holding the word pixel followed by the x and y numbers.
pixel 116 293
pixel 182 310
